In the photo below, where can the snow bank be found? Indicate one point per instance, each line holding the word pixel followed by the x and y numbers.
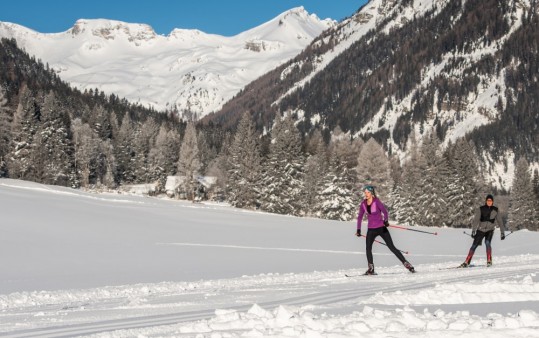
pixel 287 321
pixel 491 291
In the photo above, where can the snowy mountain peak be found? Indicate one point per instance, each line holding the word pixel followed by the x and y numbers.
pixel 188 70
pixel 111 29
pixel 295 23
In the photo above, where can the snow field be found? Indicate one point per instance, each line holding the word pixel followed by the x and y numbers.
pixel 114 265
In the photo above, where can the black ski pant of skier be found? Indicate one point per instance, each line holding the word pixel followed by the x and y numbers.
pixel 479 235
pixel 384 233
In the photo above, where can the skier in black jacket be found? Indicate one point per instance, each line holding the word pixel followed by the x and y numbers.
pixel 485 220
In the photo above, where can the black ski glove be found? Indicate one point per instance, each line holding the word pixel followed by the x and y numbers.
pixel 358 233
pixel 386 223
pixel 503 236
pixel 474 232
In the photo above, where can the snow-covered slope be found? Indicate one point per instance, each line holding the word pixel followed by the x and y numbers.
pixel 189 69
pixel 109 265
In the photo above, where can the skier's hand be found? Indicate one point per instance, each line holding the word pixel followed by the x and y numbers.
pixel 386 223
pixel 474 232
pixel 358 233
pixel 503 236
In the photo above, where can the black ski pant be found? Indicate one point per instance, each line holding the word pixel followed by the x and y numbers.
pixel 386 236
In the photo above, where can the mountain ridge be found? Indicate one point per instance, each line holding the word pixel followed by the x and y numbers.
pixel 410 66
pixel 187 71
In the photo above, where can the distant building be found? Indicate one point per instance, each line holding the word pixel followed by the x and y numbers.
pixel 148 189
pixel 175 187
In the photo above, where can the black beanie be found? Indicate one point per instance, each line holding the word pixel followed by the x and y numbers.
pixel 490 197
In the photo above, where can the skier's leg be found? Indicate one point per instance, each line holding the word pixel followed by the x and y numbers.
pixel 371 235
pixel 387 238
pixel 488 241
pixel 477 240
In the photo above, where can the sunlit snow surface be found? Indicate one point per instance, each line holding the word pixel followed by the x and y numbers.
pixel 109 265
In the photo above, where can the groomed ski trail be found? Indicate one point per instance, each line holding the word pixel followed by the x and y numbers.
pixel 330 290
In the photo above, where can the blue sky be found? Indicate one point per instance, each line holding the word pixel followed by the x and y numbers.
pixel 211 16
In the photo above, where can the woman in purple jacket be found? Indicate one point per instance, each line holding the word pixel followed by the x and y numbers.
pixel 378 221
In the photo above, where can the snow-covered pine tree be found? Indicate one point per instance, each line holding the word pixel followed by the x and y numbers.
pixel 435 180
pixel 206 151
pixel 189 162
pixel 347 151
pixel 522 206
pixel 395 171
pixel 141 149
pixel 100 122
pixel 219 168
pixel 337 200
pixel 106 167
pixel 163 156
pixel 245 163
pixel 94 157
pixel 85 142
pixel 283 180
pixel 124 150
pixel 373 169
pixel 24 127
pixel 144 141
pixel 411 188
pixel 54 148
pixel 316 167
pixel 467 180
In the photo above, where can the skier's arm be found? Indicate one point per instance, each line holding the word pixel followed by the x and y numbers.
pixel 500 224
pixel 476 219
pixel 383 210
pixel 360 216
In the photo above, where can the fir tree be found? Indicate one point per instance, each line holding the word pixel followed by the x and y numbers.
pixel 336 199
pixel 124 150
pixel 141 148
pixel 244 166
pixel 373 169
pixel 522 207
pixel 163 156
pixel 219 167
pixel 86 151
pixel 316 167
pixel 24 128
pixel 435 180
pixel 189 162
pixel 465 175
pixel 54 149
pixel 283 180
pixel 411 187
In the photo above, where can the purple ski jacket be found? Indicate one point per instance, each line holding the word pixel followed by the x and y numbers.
pixel 377 216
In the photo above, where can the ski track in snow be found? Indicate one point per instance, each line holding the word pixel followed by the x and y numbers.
pixel 341 291
pixel 295 250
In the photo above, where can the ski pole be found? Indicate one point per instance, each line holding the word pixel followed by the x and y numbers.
pixel 509 234
pixel 505 235
pixel 404 252
pixel 403 228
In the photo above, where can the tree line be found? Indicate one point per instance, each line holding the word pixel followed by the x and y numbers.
pixel 56 135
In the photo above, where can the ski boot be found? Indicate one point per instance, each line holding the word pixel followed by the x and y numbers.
pixel 409 266
pixel 489 264
pixel 370 271
pixel 464 265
